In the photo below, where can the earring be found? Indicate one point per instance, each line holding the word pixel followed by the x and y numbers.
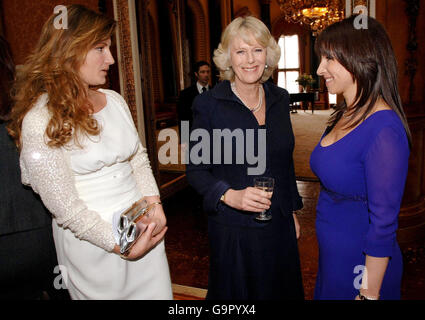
pixel 228 68
pixel 267 66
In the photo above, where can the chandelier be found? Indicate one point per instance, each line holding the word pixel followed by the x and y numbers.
pixel 317 15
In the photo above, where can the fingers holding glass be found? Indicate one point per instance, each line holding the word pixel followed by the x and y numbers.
pixel 265 184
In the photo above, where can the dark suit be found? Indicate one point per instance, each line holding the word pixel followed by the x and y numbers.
pixel 27 251
pixel 184 113
pixel 184 105
pixel 248 260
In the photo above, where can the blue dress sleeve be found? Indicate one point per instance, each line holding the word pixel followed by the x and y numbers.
pixel 386 164
pixel 199 175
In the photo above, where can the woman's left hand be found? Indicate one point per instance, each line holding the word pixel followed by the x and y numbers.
pixel 158 215
pixel 297 226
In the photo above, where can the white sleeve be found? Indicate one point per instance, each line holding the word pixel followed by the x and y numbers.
pixel 143 173
pixel 48 172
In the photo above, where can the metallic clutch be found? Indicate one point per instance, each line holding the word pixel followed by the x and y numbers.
pixel 133 222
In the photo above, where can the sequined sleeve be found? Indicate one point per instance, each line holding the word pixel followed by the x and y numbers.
pixel 140 162
pixel 48 172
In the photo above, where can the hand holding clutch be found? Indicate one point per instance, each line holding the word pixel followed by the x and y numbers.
pixel 132 223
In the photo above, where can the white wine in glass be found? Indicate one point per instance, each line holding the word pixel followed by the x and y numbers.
pixel 266 184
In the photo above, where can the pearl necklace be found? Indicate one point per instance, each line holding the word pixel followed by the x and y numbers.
pixel 260 98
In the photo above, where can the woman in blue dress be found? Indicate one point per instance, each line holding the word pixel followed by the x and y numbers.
pixel 362 162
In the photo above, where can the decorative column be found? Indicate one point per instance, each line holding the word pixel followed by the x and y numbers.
pixel 1 19
pixel 144 116
pixel 265 13
pixel 226 9
pixel 126 61
pixel 412 214
pixel 411 63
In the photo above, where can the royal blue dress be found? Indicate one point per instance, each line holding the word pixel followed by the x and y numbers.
pixel 362 180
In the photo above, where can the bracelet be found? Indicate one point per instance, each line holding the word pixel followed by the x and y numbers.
pixel 223 197
pixel 363 297
pixel 159 202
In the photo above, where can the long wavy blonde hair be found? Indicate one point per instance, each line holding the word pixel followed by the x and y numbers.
pixel 53 68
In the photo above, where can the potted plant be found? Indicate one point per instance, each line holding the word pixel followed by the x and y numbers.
pixel 305 80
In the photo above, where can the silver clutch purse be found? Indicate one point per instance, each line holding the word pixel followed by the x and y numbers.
pixel 132 223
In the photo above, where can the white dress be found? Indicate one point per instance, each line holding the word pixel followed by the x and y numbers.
pixel 83 188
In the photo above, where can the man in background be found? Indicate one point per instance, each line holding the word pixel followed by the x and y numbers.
pixel 184 106
pixel 184 112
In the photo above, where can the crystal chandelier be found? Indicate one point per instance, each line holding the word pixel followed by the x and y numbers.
pixel 317 15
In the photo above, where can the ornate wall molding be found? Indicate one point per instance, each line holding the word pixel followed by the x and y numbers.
pixel 147 85
pixel 125 15
pixel 126 56
pixel 411 63
pixel 156 65
pixel 1 19
pixel 201 40
pixel 226 8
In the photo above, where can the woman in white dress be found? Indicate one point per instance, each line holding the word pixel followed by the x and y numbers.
pixel 79 149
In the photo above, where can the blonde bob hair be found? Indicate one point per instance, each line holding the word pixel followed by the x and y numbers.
pixel 53 68
pixel 245 28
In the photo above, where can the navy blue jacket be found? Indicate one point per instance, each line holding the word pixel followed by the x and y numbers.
pixel 219 108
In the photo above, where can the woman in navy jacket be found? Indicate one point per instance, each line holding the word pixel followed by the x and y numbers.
pixel 242 130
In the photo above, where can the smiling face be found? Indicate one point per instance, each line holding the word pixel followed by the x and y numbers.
pixel 96 65
pixel 338 79
pixel 248 60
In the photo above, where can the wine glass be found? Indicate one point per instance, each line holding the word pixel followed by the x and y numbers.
pixel 265 184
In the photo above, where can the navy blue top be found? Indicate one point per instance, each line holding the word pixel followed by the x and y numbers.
pixel 363 177
pixel 220 109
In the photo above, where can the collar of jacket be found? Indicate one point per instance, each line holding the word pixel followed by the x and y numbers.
pixel 223 91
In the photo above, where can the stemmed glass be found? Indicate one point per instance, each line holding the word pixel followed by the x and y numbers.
pixel 265 184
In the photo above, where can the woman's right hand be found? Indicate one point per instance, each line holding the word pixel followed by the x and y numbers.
pixel 249 199
pixel 144 244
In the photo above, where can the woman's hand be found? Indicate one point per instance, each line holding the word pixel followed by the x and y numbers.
pixel 249 199
pixel 157 214
pixel 158 218
pixel 144 244
pixel 297 226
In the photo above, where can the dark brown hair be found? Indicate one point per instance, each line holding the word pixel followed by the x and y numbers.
pixel 368 55
pixel 7 74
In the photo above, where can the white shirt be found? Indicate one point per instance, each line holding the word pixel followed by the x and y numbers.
pixel 200 86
